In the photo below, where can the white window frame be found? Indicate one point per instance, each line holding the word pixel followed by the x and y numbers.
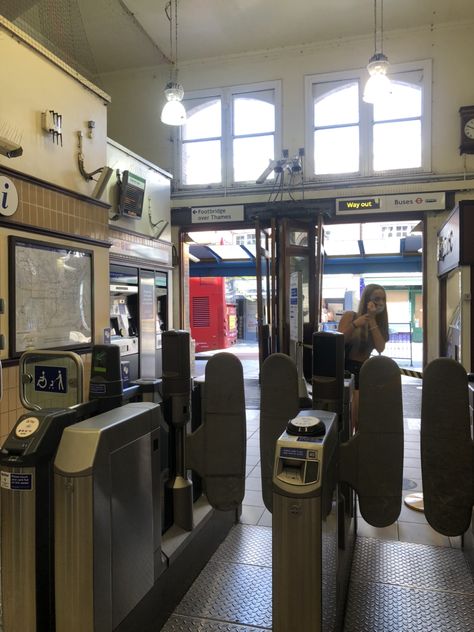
pixel 226 95
pixel 366 122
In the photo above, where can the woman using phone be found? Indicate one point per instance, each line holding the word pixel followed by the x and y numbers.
pixel 363 332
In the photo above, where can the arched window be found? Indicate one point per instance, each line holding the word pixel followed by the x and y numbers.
pixel 230 135
pixel 348 136
pixel 201 142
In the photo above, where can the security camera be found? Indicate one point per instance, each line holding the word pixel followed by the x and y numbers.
pixel 9 149
pixel 105 174
pixel 263 176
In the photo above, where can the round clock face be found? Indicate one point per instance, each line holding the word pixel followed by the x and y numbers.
pixel 469 129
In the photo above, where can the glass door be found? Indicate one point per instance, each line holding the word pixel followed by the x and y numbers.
pixel 266 290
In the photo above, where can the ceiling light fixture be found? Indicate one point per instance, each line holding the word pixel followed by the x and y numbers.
pixel 378 86
pixel 173 112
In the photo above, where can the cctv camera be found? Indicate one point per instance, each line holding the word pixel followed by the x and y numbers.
pixel 9 149
pixel 102 182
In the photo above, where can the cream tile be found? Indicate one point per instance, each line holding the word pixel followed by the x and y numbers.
pixel 412 472
pixel 411 462
pixel 253 483
pixel 254 441
pixel 253 450
pixel 14 377
pixel 253 459
pixel 384 533
pixel 12 419
pixel 266 519
pixel 410 515
pixel 4 425
pixel 253 498
pixel 421 534
pixel 8 378
pixel 251 515
pixel 412 423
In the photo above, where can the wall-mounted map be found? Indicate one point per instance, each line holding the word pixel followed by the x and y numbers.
pixel 51 295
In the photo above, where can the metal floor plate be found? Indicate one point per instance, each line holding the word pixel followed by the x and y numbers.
pixel 233 593
pixel 413 565
pixel 395 587
pixel 186 624
pixel 386 608
pixel 246 544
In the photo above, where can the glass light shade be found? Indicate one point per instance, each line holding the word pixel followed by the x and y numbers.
pixel 173 112
pixel 378 86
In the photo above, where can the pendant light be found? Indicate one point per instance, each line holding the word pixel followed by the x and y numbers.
pixel 378 86
pixel 173 112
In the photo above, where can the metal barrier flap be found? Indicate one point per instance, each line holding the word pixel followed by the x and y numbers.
pixel 216 450
pixel 50 379
pixel 279 403
pixel 447 451
pixel 372 461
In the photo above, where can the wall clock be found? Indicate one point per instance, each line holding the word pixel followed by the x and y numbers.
pixel 466 114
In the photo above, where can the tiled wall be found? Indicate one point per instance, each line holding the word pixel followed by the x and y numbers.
pixel 10 407
pixel 59 211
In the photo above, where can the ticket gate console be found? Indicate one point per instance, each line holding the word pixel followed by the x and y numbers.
pixel 27 497
pixel 116 581
pixel 305 513
pixel 370 462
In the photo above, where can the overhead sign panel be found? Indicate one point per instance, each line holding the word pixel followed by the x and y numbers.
pixel 217 214
pixel 391 203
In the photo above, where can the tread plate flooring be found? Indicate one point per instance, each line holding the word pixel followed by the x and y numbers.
pixel 395 587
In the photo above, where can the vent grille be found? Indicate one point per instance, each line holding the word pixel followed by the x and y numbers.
pixel 201 315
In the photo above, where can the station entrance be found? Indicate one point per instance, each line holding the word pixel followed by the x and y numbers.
pixel 241 282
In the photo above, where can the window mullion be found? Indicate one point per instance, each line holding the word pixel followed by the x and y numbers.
pixel 365 136
pixel 255 135
pixel 201 140
pixel 227 161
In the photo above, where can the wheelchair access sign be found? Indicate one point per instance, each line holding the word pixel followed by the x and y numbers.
pixel 51 379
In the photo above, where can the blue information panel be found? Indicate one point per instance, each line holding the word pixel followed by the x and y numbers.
pixel 17 481
pixel 293 453
pixel 51 379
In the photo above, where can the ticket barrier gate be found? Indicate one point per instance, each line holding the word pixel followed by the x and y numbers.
pixel 332 391
pixel 308 594
pixel 26 475
pixel 98 504
pixel 447 453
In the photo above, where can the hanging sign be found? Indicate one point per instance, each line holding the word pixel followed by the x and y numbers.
pixel 391 203
pixel 216 214
pixel 8 196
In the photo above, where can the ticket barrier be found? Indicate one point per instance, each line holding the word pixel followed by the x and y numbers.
pixel 309 463
pixel 114 580
pixel 332 391
pixel 26 475
pixel 447 453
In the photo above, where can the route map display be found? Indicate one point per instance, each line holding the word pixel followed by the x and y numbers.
pixel 52 290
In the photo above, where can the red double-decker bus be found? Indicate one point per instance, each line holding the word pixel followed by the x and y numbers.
pixel 213 320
